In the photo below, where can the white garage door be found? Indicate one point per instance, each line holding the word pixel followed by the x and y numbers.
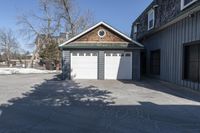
pixel 118 65
pixel 84 65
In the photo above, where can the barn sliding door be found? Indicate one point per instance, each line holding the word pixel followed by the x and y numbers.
pixel 192 63
pixel 155 62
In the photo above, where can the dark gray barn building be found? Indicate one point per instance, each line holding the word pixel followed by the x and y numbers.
pixel 170 33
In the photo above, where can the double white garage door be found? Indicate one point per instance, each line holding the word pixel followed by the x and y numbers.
pixel 117 65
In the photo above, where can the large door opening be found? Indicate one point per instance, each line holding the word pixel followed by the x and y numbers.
pixel 84 65
pixel 143 63
pixel 155 62
pixel 118 65
pixel 192 62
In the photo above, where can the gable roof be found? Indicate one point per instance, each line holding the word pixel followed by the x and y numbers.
pixel 95 26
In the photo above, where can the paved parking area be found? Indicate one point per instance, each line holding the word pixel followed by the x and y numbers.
pixel 41 104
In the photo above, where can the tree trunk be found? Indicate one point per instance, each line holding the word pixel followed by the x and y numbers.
pixel 8 59
pixel 30 64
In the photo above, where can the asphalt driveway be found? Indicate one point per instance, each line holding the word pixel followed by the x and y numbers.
pixel 42 104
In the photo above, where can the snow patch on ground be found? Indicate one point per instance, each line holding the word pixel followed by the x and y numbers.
pixel 9 71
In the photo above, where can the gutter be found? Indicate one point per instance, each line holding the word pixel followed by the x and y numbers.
pixel 101 48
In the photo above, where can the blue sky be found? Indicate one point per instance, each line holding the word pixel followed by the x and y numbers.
pixel 118 13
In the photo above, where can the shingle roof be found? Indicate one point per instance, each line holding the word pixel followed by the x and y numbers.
pixel 106 25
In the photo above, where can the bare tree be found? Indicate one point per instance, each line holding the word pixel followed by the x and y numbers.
pixel 46 24
pixel 8 44
pixel 71 17
pixel 55 16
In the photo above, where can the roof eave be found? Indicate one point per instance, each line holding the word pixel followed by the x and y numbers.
pixel 100 48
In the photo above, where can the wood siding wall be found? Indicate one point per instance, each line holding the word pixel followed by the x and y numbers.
pixel 166 11
pixel 170 41
pixel 110 36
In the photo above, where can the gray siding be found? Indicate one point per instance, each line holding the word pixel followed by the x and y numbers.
pixel 170 41
pixel 101 65
pixel 66 70
pixel 66 66
pixel 136 65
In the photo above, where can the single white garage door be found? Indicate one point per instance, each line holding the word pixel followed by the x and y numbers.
pixel 118 65
pixel 84 65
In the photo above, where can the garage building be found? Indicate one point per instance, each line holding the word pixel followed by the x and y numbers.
pixel 103 53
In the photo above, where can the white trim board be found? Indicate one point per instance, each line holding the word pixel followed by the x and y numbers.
pixel 95 26
pixel 151 12
pixel 185 6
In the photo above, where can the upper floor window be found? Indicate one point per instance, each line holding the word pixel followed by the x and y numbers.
pixel 151 19
pixel 186 3
pixel 135 28
pixel 101 33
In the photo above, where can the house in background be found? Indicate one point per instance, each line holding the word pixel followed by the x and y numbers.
pixel 16 60
pixel 41 43
pixel 170 33
pixel 101 52
pixel 40 40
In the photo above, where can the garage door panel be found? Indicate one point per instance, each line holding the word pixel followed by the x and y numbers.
pixel 118 65
pixel 84 65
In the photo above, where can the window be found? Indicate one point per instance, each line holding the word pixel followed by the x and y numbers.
pixel 101 33
pixel 108 54
pixel 128 54
pixel 81 54
pixel 74 54
pixel 94 54
pixel 88 54
pixel 151 19
pixel 192 62
pixel 186 3
pixel 135 28
pixel 114 54
pixel 155 62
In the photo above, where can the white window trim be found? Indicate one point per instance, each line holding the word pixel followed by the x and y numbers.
pixel 151 11
pixel 185 6
pixel 100 31
pixel 135 28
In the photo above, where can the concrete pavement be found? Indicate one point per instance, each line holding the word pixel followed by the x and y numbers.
pixel 39 103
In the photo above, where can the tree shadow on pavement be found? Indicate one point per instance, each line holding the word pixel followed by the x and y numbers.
pixel 70 107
